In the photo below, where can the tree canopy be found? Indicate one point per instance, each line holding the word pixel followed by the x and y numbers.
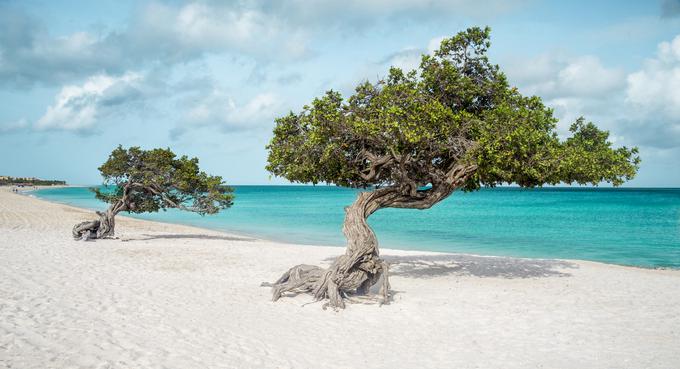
pixel 150 180
pixel 417 136
pixel 455 113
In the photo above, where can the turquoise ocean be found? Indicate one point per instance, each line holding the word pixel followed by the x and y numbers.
pixel 629 226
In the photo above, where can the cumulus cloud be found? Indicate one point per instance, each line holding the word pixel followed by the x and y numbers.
pixel 653 94
pixel 572 87
pixel 166 33
pixel 29 54
pixel 406 59
pixel 434 44
pixel 78 107
pixel 641 107
pixel 657 85
pixel 220 109
pixel 85 107
pixel 194 28
pixel 176 32
pixel 555 76
pixel 587 76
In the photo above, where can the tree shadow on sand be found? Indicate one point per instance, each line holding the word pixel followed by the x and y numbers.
pixel 146 237
pixel 430 266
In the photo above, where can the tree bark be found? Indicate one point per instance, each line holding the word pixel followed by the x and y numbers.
pixel 107 224
pixel 352 273
pixel 360 267
pixel 104 227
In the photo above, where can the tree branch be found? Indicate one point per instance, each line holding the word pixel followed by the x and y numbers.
pixel 425 199
pixel 152 189
pixel 376 164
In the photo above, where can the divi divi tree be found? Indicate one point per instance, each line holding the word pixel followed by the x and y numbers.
pixel 142 181
pixel 414 138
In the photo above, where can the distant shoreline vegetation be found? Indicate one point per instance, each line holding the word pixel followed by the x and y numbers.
pixel 26 181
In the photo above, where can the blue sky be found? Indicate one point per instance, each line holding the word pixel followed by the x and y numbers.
pixel 208 78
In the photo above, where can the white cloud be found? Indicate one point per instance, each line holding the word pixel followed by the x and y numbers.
pixel 29 54
pixel 78 107
pixel 573 87
pixel 179 31
pixel 656 87
pixel 407 59
pixel 638 108
pixel 553 76
pixel 587 76
pixel 434 44
pixel 280 30
pixel 670 51
pixel 220 109
pixel 195 28
pixel 160 32
pixel 653 96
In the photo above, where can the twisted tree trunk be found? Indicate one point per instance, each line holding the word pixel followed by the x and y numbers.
pixel 352 273
pixel 361 267
pixel 104 227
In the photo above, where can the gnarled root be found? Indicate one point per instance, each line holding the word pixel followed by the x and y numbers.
pixel 350 274
pixel 85 230
pixel 102 228
pixel 345 277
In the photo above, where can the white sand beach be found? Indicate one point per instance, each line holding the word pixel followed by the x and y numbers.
pixel 169 296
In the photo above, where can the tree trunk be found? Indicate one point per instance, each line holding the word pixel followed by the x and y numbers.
pixel 352 273
pixel 104 227
pixel 361 267
pixel 107 224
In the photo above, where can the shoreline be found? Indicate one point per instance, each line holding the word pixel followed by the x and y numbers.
pixel 252 238
pixel 285 242
pixel 177 296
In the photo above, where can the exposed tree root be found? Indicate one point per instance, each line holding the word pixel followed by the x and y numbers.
pixel 93 229
pixel 332 283
pixel 350 274
pixel 361 267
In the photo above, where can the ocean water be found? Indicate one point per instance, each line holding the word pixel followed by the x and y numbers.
pixel 621 226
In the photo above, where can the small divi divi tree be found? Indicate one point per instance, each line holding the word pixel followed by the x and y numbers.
pixel 141 181
pixel 414 138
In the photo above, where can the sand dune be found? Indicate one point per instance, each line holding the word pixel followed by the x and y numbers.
pixel 168 296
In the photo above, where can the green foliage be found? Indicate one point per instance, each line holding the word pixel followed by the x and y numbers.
pixel 587 154
pixel 151 180
pixel 456 109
